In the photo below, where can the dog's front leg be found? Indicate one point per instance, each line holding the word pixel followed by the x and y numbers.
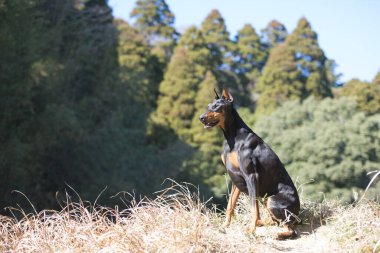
pixel 235 192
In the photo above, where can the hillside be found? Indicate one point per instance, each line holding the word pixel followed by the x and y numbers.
pixel 177 221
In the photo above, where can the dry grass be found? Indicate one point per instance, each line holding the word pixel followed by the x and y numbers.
pixel 177 221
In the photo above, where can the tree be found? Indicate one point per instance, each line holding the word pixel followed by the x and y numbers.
pixel 250 50
pixel 311 60
pixel 367 95
pixel 203 97
pixel 274 34
pixel 216 36
pixel 66 113
pixel 327 146
pixel 175 107
pixel 295 70
pixel 376 79
pixel 137 65
pixel 280 80
pixel 205 163
pixel 250 57
pixel 156 22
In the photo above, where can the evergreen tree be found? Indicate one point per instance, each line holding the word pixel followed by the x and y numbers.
pixel 156 22
pixel 310 59
pixel 177 92
pixel 250 57
pixel 186 70
pixel 250 51
pixel 91 3
pixel 274 34
pixel 218 41
pixel 194 43
pixel 137 65
pixel 331 75
pixel 367 95
pixel 295 70
pixel 154 19
pixel 206 161
pixel 280 80
pixel 201 137
pixel 376 79
pixel 223 52
pixel 22 40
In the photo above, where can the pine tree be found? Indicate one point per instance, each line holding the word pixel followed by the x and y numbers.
pixel 376 79
pixel 367 95
pixel 311 60
pixel 92 3
pixel 194 43
pixel 295 69
pixel 280 80
pixel 137 65
pixel 203 138
pixel 250 57
pixel 274 34
pixel 156 22
pixel 205 163
pixel 217 38
pixel 186 70
pixel 250 50
pixel 154 19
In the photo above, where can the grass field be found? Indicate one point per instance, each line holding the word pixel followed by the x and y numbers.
pixel 177 221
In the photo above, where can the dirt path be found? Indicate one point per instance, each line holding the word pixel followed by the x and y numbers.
pixel 309 240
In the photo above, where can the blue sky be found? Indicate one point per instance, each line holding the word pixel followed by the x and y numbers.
pixel 348 30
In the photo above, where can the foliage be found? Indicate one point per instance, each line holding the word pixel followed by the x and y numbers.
pixel 274 34
pixel 296 69
pixel 155 21
pixel 216 36
pixel 367 95
pixel 175 107
pixel 137 65
pixel 251 56
pixel 329 142
pixel 89 101
pixel 206 163
pixel 376 79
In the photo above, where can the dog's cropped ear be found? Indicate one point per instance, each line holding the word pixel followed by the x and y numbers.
pixel 216 94
pixel 227 96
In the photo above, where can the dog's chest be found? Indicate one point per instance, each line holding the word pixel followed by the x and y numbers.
pixel 231 160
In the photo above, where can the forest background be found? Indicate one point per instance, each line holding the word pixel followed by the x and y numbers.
pixel 88 101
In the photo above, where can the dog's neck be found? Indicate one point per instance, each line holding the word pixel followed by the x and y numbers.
pixel 233 123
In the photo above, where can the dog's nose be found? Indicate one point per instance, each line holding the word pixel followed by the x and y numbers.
pixel 202 117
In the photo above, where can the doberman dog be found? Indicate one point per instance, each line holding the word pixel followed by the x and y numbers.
pixel 254 169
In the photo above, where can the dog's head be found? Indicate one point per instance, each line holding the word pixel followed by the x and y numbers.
pixel 216 111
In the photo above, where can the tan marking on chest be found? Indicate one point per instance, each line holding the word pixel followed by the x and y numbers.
pixel 223 159
pixel 233 157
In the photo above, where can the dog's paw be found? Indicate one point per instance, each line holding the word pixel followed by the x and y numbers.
pixel 222 230
pixel 260 223
pixel 250 231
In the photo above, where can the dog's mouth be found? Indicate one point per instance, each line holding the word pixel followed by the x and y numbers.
pixel 208 125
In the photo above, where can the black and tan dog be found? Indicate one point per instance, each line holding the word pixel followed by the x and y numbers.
pixel 254 169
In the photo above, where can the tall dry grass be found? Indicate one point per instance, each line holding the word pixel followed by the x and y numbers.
pixel 177 221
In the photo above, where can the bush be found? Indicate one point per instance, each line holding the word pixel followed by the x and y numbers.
pixel 330 143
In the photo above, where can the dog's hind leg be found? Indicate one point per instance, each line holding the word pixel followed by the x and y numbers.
pixel 270 220
pixel 289 234
pixel 252 191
